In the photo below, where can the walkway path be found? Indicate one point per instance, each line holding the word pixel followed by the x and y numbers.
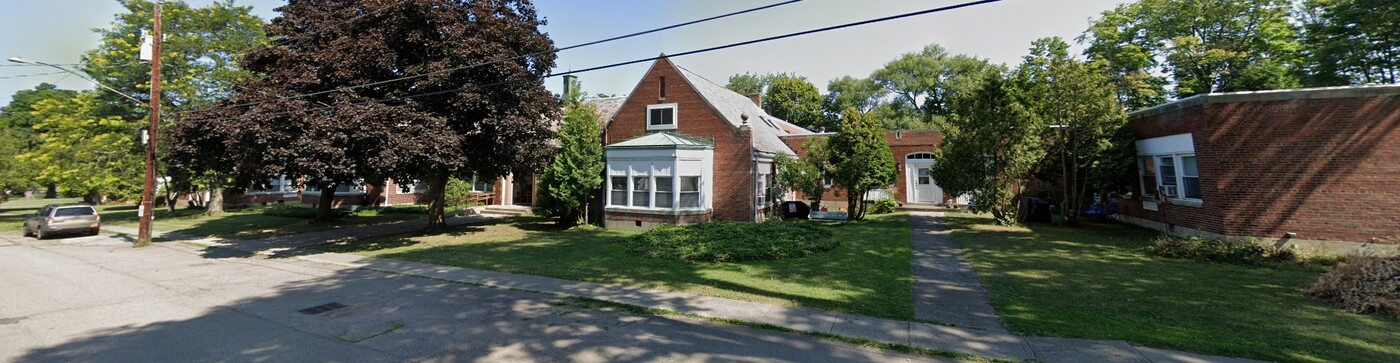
pixel 945 286
pixel 990 341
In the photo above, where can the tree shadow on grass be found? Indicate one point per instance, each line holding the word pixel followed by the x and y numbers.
pixel 1097 282
pixel 868 274
pixel 385 317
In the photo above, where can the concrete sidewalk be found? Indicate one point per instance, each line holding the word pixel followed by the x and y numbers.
pixel 990 343
pixel 946 289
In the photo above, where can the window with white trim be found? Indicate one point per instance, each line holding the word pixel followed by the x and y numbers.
pixel 358 187
pixel 761 192
pixel 274 186
pixel 661 117
pixel 413 187
pixel 665 192
pixel 618 190
pixel 482 185
pixel 1174 176
pixel 1166 171
pixel 1147 171
pixel 641 191
pixel 1190 178
pixel 690 192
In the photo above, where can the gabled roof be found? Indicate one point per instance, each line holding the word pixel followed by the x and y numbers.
pixel 605 108
pixel 663 140
pixel 738 109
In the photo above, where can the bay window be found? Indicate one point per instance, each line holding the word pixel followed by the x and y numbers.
pixel 664 192
pixel 641 196
pixel 690 192
pixel 618 190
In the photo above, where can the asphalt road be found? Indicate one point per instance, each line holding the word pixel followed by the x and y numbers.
pixel 96 299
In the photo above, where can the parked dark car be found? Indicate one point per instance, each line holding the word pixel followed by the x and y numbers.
pixel 55 219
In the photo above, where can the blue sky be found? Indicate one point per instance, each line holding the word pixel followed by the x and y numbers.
pixel 58 31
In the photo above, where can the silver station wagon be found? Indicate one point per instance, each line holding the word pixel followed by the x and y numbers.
pixel 54 219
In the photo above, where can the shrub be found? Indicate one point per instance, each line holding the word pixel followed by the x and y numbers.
pixel 724 241
pixel 397 209
pixel 288 210
pixel 1368 285
pixel 1219 250
pixel 884 205
pixel 457 193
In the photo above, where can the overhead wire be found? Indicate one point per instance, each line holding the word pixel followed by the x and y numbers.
pixel 634 61
pixel 481 64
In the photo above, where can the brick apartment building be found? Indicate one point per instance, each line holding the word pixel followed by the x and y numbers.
pixel 680 149
pixel 683 149
pixel 1310 167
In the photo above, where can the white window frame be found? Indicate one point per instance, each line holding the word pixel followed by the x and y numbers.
pixel 1178 177
pixel 358 188
pixel 626 190
pixel 281 185
pixel 699 192
pixel 476 181
pixel 675 116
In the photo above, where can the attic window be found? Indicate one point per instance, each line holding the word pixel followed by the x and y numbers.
pixel 663 87
pixel 661 117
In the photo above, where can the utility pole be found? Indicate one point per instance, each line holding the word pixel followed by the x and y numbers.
pixel 148 195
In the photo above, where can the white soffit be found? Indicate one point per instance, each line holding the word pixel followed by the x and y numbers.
pixel 1174 144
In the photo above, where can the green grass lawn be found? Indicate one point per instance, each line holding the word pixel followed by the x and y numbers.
pixel 868 274
pixel 1096 282
pixel 244 223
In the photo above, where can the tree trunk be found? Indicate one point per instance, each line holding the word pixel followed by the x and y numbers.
pixel 94 198
pixel 170 196
pixel 325 210
pixel 51 192
pixel 216 200
pixel 437 200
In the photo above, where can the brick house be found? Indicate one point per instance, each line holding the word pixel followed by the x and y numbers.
pixel 1316 168
pixel 683 149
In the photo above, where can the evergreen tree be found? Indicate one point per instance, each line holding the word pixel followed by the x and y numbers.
pixel 567 185
pixel 990 148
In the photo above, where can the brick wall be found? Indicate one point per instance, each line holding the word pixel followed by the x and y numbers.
pixel 733 158
pixel 902 143
pixel 1324 168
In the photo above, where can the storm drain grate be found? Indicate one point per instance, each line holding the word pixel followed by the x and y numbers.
pixel 321 308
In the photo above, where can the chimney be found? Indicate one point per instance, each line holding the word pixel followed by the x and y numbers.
pixel 757 99
pixel 569 81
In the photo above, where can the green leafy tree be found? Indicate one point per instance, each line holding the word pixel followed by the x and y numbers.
pixel 751 83
pixel 200 50
pixel 803 175
pixel 87 154
pixel 796 100
pixel 925 83
pixel 862 94
pixel 990 147
pixel 860 160
pixel 457 122
pixel 1077 102
pixel 1350 42
pixel 1204 45
pixel 568 183
pixel 17 119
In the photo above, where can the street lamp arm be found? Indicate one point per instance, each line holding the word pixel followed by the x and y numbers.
pixel 80 75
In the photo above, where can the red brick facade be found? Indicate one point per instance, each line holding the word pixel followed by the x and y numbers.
pixel 733 148
pixel 902 143
pixel 1323 164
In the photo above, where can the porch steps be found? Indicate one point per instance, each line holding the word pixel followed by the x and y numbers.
pixel 927 208
pixel 508 210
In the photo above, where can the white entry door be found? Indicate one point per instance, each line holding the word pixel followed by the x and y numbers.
pixel 924 190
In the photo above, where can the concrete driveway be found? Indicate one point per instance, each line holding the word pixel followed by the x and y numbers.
pixel 97 299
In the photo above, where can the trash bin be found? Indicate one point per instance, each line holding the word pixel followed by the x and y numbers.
pixel 1034 210
pixel 795 210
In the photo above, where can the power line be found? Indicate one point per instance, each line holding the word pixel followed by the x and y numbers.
pixel 32 75
pixel 557 50
pixel 624 63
